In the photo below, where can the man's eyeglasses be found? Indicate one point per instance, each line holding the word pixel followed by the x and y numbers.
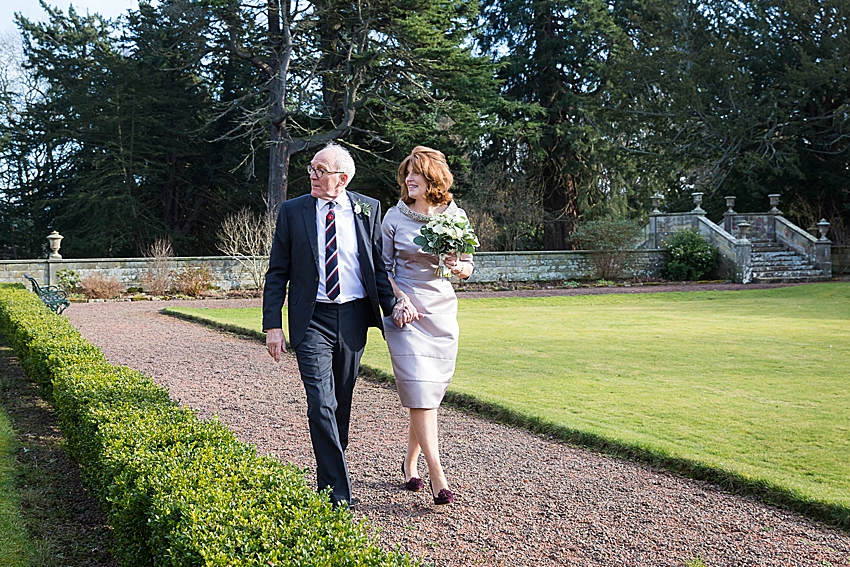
pixel 319 172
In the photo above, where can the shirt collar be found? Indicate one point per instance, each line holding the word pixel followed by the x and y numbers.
pixel 342 202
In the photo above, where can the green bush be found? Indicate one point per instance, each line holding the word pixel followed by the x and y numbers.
pixel 69 280
pixel 689 256
pixel 178 491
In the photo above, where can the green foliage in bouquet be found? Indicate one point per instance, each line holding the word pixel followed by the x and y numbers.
pixel 447 233
pixel 689 256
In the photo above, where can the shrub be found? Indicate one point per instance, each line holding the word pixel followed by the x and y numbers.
pixel 609 242
pixel 247 238
pixel 193 280
pixel 157 277
pixel 689 256
pixel 98 286
pixel 177 491
pixel 68 280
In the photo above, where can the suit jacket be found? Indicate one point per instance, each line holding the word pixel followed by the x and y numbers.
pixel 294 260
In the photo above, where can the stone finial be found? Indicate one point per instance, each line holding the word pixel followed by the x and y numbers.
pixel 823 228
pixel 656 202
pixel 697 202
pixel 730 203
pixel 743 229
pixel 774 201
pixel 55 240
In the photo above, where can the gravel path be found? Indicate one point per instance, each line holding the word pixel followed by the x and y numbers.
pixel 522 500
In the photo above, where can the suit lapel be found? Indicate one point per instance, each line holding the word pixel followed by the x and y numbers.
pixel 311 228
pixel 363 239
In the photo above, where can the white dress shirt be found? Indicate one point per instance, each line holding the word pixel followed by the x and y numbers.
pixel 350 278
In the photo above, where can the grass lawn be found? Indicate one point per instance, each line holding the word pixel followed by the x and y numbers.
pixel 751 384
pixel 47 519
pixel 16 549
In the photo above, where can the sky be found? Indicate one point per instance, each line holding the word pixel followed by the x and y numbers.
pixel 31 9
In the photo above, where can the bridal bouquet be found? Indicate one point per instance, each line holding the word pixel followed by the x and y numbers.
pixel 447 233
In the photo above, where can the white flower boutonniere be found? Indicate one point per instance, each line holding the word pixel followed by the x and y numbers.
pixel 361 208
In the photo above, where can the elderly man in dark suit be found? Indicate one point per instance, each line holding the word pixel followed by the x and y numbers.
pixel 327 247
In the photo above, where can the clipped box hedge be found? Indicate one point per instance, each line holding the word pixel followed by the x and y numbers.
pixel 178 491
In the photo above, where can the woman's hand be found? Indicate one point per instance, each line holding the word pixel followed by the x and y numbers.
pixel 455 265
pixel 404 312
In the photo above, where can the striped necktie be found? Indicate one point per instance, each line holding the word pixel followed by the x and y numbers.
pixel 331 257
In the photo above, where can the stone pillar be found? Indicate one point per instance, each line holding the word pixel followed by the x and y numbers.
pixel 654 214
pixel 823 249
pixel 53 259
pixel 743 261
pixel 770 227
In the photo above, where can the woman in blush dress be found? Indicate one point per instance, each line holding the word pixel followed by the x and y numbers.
pixel 423 342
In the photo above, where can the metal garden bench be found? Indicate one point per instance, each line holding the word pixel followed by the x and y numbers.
pixel 55 298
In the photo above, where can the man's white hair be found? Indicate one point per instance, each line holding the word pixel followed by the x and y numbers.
pixel 342 159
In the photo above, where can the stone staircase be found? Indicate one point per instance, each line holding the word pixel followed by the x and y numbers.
pixel 772 262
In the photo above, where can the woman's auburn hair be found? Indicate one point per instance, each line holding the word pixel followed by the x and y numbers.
pixel 431 164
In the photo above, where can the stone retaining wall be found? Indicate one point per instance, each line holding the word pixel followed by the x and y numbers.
pixel 560 265
pixel 489 267
pixel 227 274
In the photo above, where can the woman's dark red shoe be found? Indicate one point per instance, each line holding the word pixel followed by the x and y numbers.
pixel 414 484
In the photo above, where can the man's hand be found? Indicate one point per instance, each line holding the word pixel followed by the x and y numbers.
pixel 404 312
pixel 275 343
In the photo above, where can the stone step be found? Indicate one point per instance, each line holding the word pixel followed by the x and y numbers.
pixel 782 262
pixel 779 259
pixel 788 274
pixel 783 279
pixel 756 258
pixel 785 271
pixel 783 252
pixel 802 270
pixel 773 262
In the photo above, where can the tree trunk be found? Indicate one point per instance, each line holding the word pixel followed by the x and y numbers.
pixel 560 207
pixel 279 152
pixel 279 140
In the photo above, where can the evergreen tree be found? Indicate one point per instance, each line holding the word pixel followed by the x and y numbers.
pixel 557 55
pixel 326 63
pixel 743 99
pixel 123 126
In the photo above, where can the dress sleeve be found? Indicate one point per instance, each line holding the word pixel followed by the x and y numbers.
pixel 388 227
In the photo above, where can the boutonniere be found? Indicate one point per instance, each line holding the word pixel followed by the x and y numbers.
pixel 361 208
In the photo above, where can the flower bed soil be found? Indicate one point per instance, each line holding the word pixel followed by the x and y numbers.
pixel 522 499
